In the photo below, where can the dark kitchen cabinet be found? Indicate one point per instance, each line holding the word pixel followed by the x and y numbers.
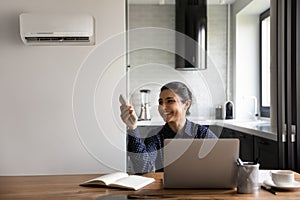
pixel 286 46
pixel 267 152
pixel 246 143
pixel 254 147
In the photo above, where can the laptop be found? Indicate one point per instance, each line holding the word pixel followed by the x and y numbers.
pixel 200 163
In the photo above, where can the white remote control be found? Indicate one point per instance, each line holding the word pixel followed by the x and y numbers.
pixel 122 100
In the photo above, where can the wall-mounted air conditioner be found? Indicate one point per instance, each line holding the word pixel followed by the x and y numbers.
pixel 57 29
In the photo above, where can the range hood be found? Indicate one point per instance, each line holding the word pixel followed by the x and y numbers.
pixel 191 35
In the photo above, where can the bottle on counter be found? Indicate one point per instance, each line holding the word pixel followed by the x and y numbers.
pixel 228 110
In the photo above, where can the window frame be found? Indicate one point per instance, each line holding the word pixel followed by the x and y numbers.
pixel 264 110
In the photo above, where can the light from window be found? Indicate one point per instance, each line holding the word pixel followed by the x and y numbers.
pixel 265 62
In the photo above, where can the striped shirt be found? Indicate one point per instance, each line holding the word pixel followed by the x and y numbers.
pixel 146 153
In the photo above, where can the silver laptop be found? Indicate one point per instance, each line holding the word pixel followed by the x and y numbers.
pixel 200 163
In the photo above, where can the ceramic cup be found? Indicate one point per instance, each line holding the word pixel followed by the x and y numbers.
pixel 282 177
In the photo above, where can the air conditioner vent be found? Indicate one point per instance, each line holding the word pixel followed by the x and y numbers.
pixel 57 39
pixel 57 29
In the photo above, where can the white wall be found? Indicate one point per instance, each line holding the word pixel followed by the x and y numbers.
pixel 37 130
pixel 247 65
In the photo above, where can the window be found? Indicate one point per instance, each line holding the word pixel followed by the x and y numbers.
pixel 265 64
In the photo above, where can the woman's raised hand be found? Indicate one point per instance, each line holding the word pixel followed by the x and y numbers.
pixel 129 116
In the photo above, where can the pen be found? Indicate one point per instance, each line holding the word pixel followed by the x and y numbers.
pixel 150 196
pixel 269 189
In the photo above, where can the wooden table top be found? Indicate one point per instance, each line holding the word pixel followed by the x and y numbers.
pixel 67 187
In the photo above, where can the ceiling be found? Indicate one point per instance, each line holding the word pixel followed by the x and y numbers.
pixel 256 7
pixel 211 2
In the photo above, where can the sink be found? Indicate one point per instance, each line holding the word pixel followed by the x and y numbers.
pixel 257 123
pixel 261 125
pixel 264 127
pixel 253 124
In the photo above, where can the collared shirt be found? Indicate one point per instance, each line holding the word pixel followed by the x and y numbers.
pixel 146 153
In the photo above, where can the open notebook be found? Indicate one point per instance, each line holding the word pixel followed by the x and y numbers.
pixel 120 180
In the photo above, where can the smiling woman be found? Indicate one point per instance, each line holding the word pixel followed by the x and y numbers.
pixel 146 153
pixel 174 104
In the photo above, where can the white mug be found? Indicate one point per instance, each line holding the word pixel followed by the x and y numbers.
pixel 282 177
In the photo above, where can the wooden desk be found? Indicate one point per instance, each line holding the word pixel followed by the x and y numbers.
pixel 66 187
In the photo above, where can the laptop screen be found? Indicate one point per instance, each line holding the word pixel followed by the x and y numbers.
pixel 200 163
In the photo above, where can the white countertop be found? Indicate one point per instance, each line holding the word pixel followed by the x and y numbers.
pixel 261 127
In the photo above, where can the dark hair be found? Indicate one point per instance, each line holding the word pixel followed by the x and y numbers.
pixel 181 90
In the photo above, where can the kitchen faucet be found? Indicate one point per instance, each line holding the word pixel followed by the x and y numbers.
pixel 254 112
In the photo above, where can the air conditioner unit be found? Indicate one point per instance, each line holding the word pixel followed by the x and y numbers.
pixel 57 29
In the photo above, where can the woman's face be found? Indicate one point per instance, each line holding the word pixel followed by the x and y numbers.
pixel 170 106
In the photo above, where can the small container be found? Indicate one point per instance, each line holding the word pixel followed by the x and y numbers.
pixel 219 112
pixel 247 178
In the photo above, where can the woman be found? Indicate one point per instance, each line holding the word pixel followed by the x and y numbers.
pixel 174 103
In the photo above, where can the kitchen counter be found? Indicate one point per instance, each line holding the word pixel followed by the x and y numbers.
pixel 261 128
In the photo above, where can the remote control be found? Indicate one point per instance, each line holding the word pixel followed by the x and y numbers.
pixel 122 100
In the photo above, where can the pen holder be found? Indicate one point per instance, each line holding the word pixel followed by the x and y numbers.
pixel 247 178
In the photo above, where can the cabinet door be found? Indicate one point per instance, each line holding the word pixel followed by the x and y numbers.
pixel 246 146
pixel 267 152
pixel 228 133
pixel 246 143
